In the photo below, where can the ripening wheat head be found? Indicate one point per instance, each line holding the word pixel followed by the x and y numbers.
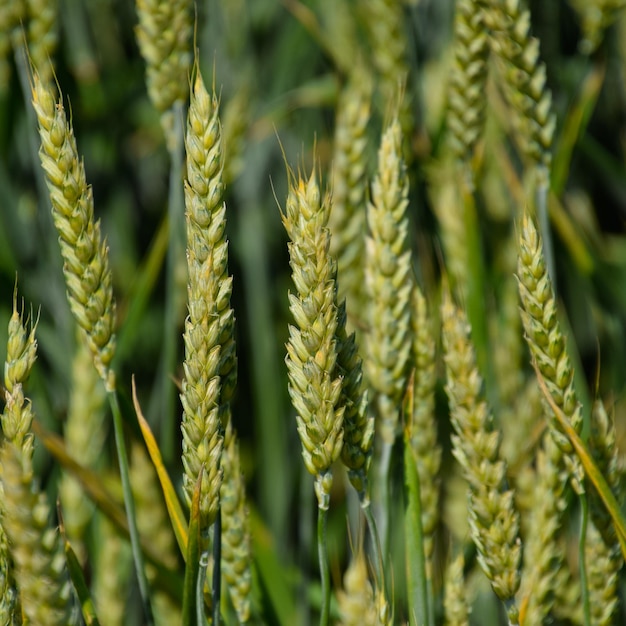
pixel 85 255
pixel 314 385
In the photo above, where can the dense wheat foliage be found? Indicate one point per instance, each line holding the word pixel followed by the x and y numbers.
pixel 347 280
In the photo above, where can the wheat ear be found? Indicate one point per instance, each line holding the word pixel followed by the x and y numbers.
pixel 39 564
pixel 455 603
pixel 348 215
pixel 236 540
pixel 359 603
pixel 595 17
pixel 85 259
pixel 525 80
pixel 494 521
pixel 389 282
pixel 543 555
pixel 43 36
pixel 466 100
pixel 12 14
pixel 358 438
pixel 210 362
pixel 545 340
pixel 314 385
pixel 386 28
pixel 423 432
pixel 164 38
pixel 603 556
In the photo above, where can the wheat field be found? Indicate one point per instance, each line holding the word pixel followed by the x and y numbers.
pixel 314 312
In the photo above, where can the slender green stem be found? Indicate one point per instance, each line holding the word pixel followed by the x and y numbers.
pixel 166 393
pixel 305 543
pixel 322 522
pixel 544 224
pixel 217 569
pixel 129 503
pixel 584 518
pixel 383 505
pixel 375 540
pixel 417 587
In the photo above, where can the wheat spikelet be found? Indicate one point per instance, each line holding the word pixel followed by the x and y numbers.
pixel 466 100
pixel 314 385
pixel 236 546
pixel 494 521
pixel 210 362
pixel 86 266
pixel 348 215
pixel 389 282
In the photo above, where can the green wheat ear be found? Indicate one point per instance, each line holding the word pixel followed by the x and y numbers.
pixel 210 360
pixel 38 564
pixel 164 38
pixel 494 521
pixel 389 282
pixel 85 257
pixel 545 340
pixel 602 548
pixel 423 425
pixel 236 539
pixel 315 386
pixel 455 602
pixel 42 36
pixel 595 17
pixel 348 215
pixel 524 80
pixel 466 100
